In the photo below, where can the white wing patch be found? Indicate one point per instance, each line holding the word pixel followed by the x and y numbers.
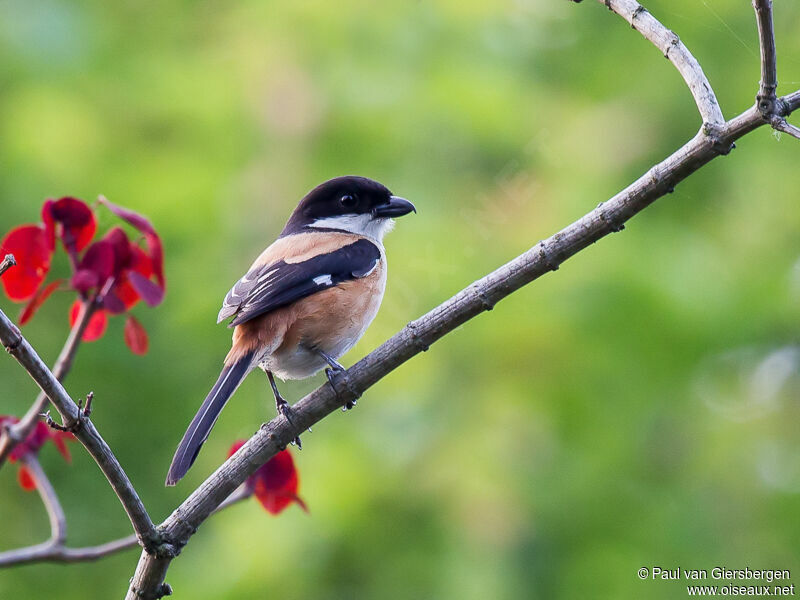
pixel 323 280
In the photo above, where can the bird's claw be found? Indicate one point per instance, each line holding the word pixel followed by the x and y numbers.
pixel 331 373
pixel 285 410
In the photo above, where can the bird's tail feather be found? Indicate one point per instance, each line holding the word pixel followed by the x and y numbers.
pixel 230 378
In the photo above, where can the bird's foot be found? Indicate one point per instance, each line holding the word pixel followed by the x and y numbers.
pixel 330 374
pixel 284 409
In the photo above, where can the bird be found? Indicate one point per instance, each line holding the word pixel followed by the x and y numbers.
pixel 306 300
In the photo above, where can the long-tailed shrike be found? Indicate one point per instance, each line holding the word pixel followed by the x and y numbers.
pixel 306 300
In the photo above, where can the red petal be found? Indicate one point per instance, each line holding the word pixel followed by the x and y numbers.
pixel 156 250
pixel 96 266
pixel 40 434
pixel 77 220
pixel 157 258
pixel 42 294
pixel 138 221
pixel 147 290
pixel 97 324
pixel 112 304
pixel 276 483
pixel 122 246
pixel 301 503
pixel 138 262
pixel 59 439
pixel 272 503
pixel 83 280
pixel 29 245
pixel 26 480
pixel 279 473
pixel 49 223
pixel 35 440
pixel 136 336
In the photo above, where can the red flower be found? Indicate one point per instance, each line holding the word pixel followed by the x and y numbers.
pixel 114 270
pixel 275 483
pixel 37 438
pixel 71 220
pixel 155 249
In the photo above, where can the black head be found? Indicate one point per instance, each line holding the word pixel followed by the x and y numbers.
pixel 350 203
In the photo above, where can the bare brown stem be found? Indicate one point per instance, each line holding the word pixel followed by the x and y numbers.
pixel 765 99
pixel 54 550
pixel 14 434
pixel 673 49
pixel 84 430
pixel 782 125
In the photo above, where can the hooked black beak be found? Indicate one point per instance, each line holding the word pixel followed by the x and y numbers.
pixel 396 207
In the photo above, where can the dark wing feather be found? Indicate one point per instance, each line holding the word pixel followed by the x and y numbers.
pixel 280 283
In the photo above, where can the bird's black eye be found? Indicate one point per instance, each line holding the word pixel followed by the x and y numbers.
pixel 348 201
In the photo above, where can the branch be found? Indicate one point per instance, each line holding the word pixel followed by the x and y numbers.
pixel 417 336
pixel 48 552
pixel 58 522
pixel 8 262
pixel 15 434
pixel 74 420
pixel 55 551
pixel 673 49
pixel 769 69
pixel 771 108
pixel 781 124
pixel 789 103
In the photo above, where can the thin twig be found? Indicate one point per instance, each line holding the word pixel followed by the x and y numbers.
pixel 53 551
pixel 673 49
pixel 769 70
pixel 8 262
pixel 781 124
pixel 58 522
pixel 789 103
pixel 84 430
pixel 771 109
pixel 50 553
pixel 16 433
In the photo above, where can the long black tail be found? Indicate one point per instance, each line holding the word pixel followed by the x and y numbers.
pixel 204 420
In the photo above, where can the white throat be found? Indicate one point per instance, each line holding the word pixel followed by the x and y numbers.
pixel 365 225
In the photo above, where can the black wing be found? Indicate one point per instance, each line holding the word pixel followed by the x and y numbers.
pixel 269 287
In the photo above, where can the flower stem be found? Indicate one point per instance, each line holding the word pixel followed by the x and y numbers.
pixel 16 433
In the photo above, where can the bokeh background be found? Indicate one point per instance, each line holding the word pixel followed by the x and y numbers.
pixel 639 407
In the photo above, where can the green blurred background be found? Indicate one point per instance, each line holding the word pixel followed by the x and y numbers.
pixel 639 407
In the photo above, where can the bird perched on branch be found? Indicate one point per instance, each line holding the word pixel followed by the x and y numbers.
pixel 306 300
